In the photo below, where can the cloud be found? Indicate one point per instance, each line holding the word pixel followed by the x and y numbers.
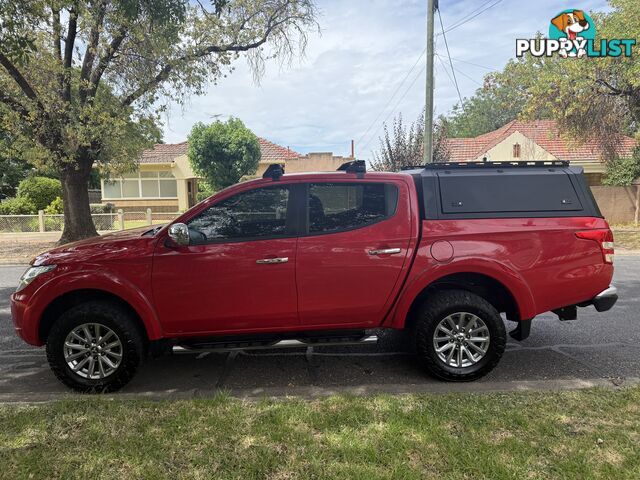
pixel 360 60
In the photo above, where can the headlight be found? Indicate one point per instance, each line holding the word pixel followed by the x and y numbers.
pixel 31 274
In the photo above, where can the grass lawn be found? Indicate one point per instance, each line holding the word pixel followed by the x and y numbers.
pixel 577 434
pixel 627 239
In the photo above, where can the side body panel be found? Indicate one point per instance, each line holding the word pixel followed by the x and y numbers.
pixel 340 283
pixel 539 260
pixel 219 288
pixel 122 269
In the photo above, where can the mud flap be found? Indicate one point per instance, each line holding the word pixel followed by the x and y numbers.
pixel 521 332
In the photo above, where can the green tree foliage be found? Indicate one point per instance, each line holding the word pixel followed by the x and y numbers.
pixel 41 191
pixel 12 168
pixel 590 98
pixel 402 146
pixel 56 207
pixel 623 171
pixel 12 171
pixel 17 206
pixel 82 82
pixel 500 100
pixel 223 152
pixel 593 97
pixel 204 190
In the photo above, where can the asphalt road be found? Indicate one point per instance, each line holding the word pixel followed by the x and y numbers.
pixel 596 349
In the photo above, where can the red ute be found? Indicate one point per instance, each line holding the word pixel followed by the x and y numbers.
pixel 441 251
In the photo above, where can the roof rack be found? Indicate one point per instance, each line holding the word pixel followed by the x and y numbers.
pixel 274 171
pixel 520 164
pixel 354 166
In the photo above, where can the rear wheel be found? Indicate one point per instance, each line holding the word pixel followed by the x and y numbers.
pixel 459 336
pixel 95 347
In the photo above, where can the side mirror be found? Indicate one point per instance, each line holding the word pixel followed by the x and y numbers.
pixel 179 233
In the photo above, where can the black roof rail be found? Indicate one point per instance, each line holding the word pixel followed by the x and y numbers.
pixel 519 164
pixel 354 166
pixel 274 171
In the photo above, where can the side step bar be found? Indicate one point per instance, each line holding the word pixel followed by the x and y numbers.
pixel 286 343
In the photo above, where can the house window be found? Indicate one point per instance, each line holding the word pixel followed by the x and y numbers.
pixel 516 150
pixel 141 185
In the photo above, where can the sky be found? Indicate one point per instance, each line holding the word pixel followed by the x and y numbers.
pixel 366 67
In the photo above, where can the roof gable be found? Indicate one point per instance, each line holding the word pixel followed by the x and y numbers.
pixel 544 133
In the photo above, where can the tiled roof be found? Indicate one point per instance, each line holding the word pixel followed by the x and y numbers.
pixel 167 152
pixel 270 152
pixel 164 152
pixel 543 132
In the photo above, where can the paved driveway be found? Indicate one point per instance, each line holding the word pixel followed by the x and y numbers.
pixel 595 349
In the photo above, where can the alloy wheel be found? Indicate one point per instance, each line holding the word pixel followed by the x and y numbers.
pixel 461 339
pixel 93 351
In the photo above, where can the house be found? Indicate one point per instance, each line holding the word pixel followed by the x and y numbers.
pixel 536 140
pixel 165 182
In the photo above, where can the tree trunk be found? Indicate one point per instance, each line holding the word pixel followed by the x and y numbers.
pixel 78 223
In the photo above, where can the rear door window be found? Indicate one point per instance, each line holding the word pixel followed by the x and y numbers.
pixel 334 207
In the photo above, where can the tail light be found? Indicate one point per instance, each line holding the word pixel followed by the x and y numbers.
pixel 604 237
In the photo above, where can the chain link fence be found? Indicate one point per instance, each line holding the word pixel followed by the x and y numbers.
pixel 103 221
pixel 19 223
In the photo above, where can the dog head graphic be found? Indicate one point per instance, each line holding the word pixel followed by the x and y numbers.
pixel 571 23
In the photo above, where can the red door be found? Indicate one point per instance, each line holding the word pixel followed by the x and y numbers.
pixel 351 262
pixel 238 273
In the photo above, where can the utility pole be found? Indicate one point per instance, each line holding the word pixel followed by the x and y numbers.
pixel 432 5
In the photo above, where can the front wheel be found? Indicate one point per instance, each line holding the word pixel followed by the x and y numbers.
pixel 95 347
pixel 459 336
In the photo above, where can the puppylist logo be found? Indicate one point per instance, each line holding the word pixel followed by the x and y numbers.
pixel 572 33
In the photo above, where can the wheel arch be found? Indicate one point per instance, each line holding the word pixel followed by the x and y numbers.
pixel 71 298
pixel 507 293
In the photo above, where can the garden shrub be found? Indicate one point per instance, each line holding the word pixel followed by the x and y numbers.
pixel 40 190
pixel 17 206
pixel 55 208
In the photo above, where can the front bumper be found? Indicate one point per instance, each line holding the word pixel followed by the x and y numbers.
pixel 606 299
pixel 20 316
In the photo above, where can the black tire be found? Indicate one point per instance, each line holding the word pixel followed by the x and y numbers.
pixel 438 307
pixel 111 316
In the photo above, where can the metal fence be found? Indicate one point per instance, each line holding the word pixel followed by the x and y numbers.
pixel 103 221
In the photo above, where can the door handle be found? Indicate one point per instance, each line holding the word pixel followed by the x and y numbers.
pixel 385 251
pixel 272 260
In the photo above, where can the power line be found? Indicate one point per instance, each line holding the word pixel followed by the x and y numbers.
pixel 468 14
pixel 446 44
pixel 446 70
pixel 396 105
pixel 474 64
pixel 468 76
pixel 471 17
pixel 391 98
pixel 460 72
pixel 435 46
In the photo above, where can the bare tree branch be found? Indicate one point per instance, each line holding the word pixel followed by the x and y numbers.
pixel 90 52
pixel 164 72
pixel 104 61
pixel 615 90
pixel 15 105
pixel 72 30
pixel 19 79
pixel 57 39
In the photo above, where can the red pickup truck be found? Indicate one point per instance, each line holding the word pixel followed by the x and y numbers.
pixel 440 251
